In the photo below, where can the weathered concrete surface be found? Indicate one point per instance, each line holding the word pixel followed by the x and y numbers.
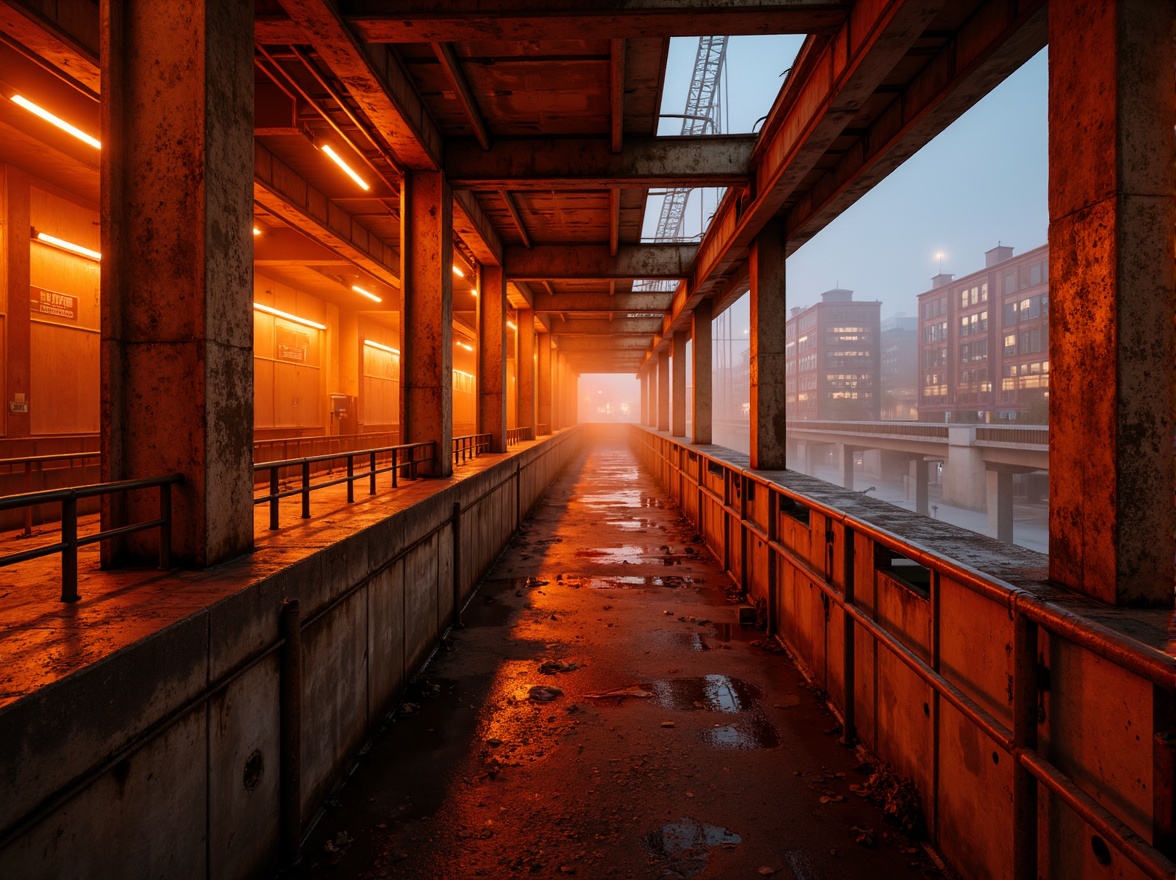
pixel 769 316
pixel 526 324
pixel 177 271
pixel 703 372
pixel 663 391
pixel 543 367
pixel 1113 298
pixel 492 357
pixel 678 384
pixel 426 251
pixel 707 733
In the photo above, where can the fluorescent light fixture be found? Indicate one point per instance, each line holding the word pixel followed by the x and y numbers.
pixel 512 325
pixel 256 231
pixel 297 320
pixel 464 345
pixel 338 160
pixel 22 101
pixel 64 245
pixel 457 271
pixel 366 293
pixel 382 347
pixel 463 373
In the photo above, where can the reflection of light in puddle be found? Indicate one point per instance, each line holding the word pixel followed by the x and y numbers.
pixel 684 846
pixel 718 693
pixel 625 553
pixel 745 735
pixel 626 525
pixel 622 582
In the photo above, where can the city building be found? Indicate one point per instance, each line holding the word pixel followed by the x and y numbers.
pixel 984 342
pixel 832 357
pixel 899 375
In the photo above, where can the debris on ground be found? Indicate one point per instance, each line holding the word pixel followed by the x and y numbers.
pixel 899 799
pixel 338 844
pixel 542 693
pixel 551 667
pixel 639 691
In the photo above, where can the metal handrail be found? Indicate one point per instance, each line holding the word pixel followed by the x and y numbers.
pixel 70 541
pixel 519 435
pixel 396 465
pixel 469 445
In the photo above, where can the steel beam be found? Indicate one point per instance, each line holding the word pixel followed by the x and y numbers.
pixel 544 164
pixel 598 327
pixel 581 303
pixel 555 262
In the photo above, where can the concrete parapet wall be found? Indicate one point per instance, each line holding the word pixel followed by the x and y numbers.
pixel 923 635
pixel 162 760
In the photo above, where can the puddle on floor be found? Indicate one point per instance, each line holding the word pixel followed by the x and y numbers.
pixel 630 553
pixel 747 734
pixel 623 582
pixel 716 693
pixel 627 525
pixel 683 848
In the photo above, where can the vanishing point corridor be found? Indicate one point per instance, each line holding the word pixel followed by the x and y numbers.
pixel 602 714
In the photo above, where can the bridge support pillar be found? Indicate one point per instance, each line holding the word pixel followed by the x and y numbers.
pixel 426 366
pixel 492 356
pixel 769 315
pixel 663 392
pixel 678 384
pixel 700 331
pixel 643 418
pixel 1000 504
pixel 922 469
pixel 526 368
pixel 177 272
pixel 845 464
pixel 1112 233
pixel 543 383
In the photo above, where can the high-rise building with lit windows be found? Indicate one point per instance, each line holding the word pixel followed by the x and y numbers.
pixel 984 342
pixel 833 359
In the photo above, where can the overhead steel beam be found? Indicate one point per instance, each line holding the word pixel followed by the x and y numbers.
pixel 373 78
pixel 545 164
pixel 555 262
pixel 583 303
pixel 616 93
pixel 70 43
pixel 513 210
pixel 426 21
pixel 601 344
pixel 283 193
pixel 475 229
pixel 596 327
pixel 461 87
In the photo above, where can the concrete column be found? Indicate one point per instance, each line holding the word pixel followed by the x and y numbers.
pixel 678 384
pixel 663 392
pixel 426 326
pixel 922 486
pixel 492 356
pixel 177 271
pixel 1000 505
pixel 526 413
pixel 964 483
pixel 769 314
pixel 845 464
pixel 1112 524
pixel 556 389
pixel 16 218
pixel 644 376
pixel 544 384
pixel 700 422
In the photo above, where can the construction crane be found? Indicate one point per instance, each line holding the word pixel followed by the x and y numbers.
pixel 703 115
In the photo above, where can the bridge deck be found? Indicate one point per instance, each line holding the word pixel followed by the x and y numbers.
pixel 675 745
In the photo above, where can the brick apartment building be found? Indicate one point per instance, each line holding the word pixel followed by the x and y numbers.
pixel 984 342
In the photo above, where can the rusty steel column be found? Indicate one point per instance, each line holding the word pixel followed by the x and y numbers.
pixel 1112 524
pixel 526 368
pixel 492 356
pixel 177 270
pixel 663 391
pixel 678 384
pixel 544 383
pixel 15 215
pixel 700 330
pixel 426 322
pixel 769 314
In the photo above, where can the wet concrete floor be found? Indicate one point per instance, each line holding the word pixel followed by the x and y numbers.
pixel 602 715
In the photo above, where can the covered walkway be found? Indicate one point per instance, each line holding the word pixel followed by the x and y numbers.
pixel 601 713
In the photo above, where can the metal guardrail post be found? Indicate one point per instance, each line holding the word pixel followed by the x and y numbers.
pixel 372 473
pixel 306 490
pixel 165 528
pixel 69 552
pixel 351 479
pixel 273 501
pixel 395 469
pixel 1024 739
pixel 290 735
pixel 28 514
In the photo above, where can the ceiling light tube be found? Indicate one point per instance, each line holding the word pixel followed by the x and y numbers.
pixel 338 160
pixel 297 320
pixel 512 325
pixel 464 345
pixel 382 347
pixel 54 241
pixel 366 293
pixel 256 231
pixel 22 101
pixel 457 271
